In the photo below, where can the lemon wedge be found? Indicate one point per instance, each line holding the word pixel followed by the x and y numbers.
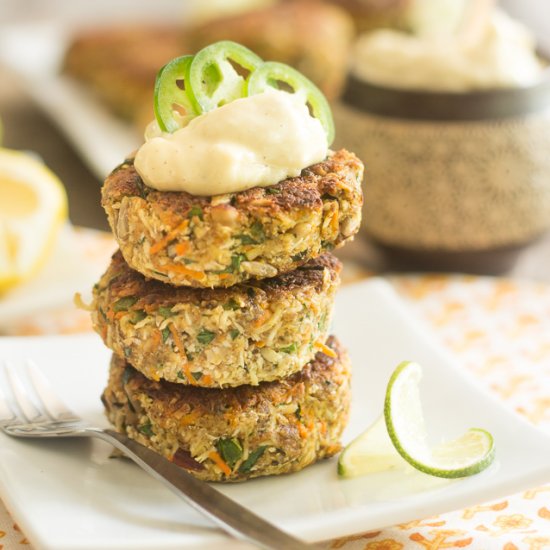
pixel 33 207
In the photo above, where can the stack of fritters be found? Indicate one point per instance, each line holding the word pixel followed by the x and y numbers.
pixel 217 310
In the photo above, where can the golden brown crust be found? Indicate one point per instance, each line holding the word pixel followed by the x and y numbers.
pixel 304 191
pixel 241 399
pixel 127 282
pixel 188 240
pixel 246 334
pixel 290 423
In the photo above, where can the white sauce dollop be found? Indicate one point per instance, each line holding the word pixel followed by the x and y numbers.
pixel 255 141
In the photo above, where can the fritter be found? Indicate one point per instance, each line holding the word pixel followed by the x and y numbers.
pixel 119 64
pixel 246 334
pixel 219 241
pixel 237 433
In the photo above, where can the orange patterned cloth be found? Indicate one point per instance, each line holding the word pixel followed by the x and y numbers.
pixel 500 330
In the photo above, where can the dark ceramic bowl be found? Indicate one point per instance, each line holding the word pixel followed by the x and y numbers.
pixel 456 181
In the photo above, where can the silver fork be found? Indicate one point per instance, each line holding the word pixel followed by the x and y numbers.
pixel 46 416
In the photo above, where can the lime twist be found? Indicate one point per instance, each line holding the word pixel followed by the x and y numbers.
pixel 399 437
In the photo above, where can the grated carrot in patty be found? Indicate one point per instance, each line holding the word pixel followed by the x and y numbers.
pixel 325 349
pixel 182 248
pixel 215 456
pixel 163 243
pixel 181 350
pixel 175 268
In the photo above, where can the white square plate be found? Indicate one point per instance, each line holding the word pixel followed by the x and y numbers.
pixel 70 495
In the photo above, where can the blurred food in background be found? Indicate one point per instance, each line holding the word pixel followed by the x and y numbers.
pixel 373 14
pixel 444 50
pixel 451 116
pixel 120 63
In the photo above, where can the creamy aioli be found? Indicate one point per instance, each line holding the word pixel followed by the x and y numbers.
pixel 255 141
pixel 503 56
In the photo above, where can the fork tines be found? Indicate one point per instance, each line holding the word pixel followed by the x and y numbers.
pixel 28 397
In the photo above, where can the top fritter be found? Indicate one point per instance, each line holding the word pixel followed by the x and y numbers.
pixel 219 241
pixel 235 179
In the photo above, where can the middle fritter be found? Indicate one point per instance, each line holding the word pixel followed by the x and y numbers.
pixel 249 333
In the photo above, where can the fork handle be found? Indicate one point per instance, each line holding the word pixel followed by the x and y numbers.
pixel 226 513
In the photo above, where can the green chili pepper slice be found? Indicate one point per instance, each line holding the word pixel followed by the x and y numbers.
pixel 172 103
pixel 271 73
pixel 212 77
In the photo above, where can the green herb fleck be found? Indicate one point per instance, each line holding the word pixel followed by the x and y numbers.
pixel 165 333
pixel 257 231
pixel 180 375
pixel 290 349
pixel 189 355
pixel 272 190
pixel 253 457
pixel 196 211
pixel 165 311
pixel 230 450
pixel 236 260
pixel 231 304
pixel 127 352
pixel 298 412
pixel 205 336
pixel 138 316
pixel 246 239
pixel 257 234
pixel 146 429
pixel 123 304
pixel 234 333
pixel 197 375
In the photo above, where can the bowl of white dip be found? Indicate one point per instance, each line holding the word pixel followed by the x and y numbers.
pixel 456 144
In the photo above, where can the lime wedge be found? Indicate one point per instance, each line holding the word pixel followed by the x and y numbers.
pixel 398 439
pixel 370 452
pixel 467 455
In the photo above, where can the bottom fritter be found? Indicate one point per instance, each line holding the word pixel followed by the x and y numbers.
pixel 237 433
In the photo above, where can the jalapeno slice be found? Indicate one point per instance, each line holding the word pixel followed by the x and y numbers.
pixel 171 97
pixel 214 75
pixel 272 73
